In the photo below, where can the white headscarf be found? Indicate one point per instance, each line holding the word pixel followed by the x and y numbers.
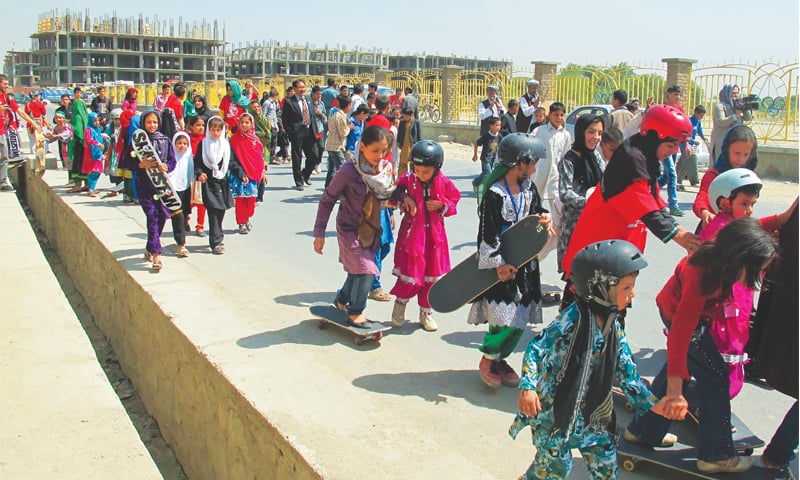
pixel 183 174
pixel 216 153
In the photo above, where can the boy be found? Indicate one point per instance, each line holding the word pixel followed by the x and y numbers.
pixel 161 98
pixel 517 299
pixel 539 118
pixel 175 102
pixel 508 123
pixel 408 133
pixel 586 344
pixel 338 130
pixel 609 143
pixel 687 164
pixel 558 141
pixel 488 143
pixel 358 119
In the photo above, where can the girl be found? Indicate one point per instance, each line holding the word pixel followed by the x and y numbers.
pixel 233 104
pixel 263 130
pixel 688 303
pixel 62 132
pixel 360 186
pixel 197 131
pixel 130 102
pixel 80 120
pixel 422 254
pixel 188 104
pixel 249 170
pixel 738 150
pixel 154 210
pixel 211 163
pixel 94 147
pixel 579 170
pixel 181 178
pixel 201 109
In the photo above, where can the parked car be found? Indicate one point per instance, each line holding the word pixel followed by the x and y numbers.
pixel 21 98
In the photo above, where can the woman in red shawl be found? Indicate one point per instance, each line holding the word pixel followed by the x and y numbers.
pixel 247 151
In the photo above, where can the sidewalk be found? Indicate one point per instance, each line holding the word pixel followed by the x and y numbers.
pixel 62 418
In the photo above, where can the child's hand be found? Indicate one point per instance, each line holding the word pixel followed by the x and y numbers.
pixel 318 244
pixel 433 205
pixel 529 403
pixel 162 167
pixel 545 220
pixel 409 206
pixel 672 407
pixel 506 272
pixel 687 240
pixel 706 217
pixel 474 158
pixel 245 180
pixel 264 178
pixel 202 178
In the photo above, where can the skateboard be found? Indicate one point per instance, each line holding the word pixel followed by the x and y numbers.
pixel 520 244
pixel 330 315
pixel 683 458
pixel 143 149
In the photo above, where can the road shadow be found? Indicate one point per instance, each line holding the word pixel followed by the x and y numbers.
pixel 307 332
pixel 649 361
pixel 438 386
pixel 132 259
pixel 305 299
pixel 473 339
pixel 309 233
pixel 313 198
pixel 461 246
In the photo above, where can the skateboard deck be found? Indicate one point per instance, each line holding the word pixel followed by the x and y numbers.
pixel 683 458
pixel 520 244
pixel 330 315
pixel 143 149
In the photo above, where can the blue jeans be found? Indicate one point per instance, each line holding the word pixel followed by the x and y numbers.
pixel 335 160
pixel 709 370
pixel 670 178
pixel 354 292
pixel 780 450
pixel 486 169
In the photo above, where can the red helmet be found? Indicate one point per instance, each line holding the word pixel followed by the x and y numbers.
pixel 668 122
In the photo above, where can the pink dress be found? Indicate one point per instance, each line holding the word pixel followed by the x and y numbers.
pixel 422 253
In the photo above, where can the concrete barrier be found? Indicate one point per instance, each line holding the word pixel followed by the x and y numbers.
pixel 213 429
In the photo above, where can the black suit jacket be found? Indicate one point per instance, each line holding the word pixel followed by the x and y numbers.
pixel 415 132
pixel 292 117
pixel 508 124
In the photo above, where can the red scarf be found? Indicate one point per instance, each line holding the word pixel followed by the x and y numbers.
pixel 248 150
pixel 195 141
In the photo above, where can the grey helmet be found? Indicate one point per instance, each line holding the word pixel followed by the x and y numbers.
pixel 427 153
pixel 520 148
pixel 598 267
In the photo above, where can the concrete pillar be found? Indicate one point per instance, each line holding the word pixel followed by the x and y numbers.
pixel 679 72
pixel 450 74
pixel 545 73
pixel 382 77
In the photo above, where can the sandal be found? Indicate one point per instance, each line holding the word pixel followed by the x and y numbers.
pixel 219 250
pixel 339 306
pixel 92 194
pixel 157 266
pixel 183 252
pixel 148 256
pixel 379 295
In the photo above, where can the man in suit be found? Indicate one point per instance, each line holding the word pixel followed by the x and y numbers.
pixel 296 119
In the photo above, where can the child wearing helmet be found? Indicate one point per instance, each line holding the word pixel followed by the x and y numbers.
pixel 688 303
pixel 505 197
pixel 422 254
pixel 733 194
pixel 569 368
pixel 628 202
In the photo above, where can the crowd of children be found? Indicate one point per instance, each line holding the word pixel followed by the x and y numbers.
pixel 596 194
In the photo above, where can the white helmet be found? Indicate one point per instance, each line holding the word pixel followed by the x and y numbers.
pixel 727 182
pixel 116 113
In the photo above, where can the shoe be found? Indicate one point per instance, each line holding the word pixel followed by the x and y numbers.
pixel 317 170
pixel 157 266
pixel 676 212
pixel 183 252
pixel 249 226
pixel 243 229
pixel 259 202
pixel 299 188
pixel 379 295
pixel 199 232
pixel 680 188
pixel 398 314
pixel 219 250
pixel 307 181
pixel 488 372
pixel 6 188
pixel 668 440
pixel 508 376
pixel 731 465
pixel 426 321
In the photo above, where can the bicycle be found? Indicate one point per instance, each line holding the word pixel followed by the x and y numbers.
pixel 430 112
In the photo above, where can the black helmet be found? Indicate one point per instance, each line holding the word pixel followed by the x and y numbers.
pixel 427 153
pixel 520 148
pixel 599 266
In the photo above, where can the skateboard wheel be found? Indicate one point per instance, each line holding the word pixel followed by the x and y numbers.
pixel 321 325
pixel 629 465
pixel 747 452
pixel 378 336
pixel 358 340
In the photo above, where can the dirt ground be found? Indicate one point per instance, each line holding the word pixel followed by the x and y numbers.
pixel 774 191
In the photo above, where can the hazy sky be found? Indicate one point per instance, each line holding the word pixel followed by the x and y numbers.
pixel 579 31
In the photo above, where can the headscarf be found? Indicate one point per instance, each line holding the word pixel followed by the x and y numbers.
pixel 725 95
pixel 260 123
pixel 80 118
pixel 216 153
pixel 634 160
pixel 188 105
pixel 380 186
pixel 96 134
pixel 588 168
pixel 236 93
pixel 202 112
pixel 248 150
pixel 723 164
pixel 183 174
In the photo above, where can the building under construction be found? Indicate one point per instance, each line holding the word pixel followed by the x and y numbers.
pixel 72 48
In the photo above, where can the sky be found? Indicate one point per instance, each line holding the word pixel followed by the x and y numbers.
pixel 638 32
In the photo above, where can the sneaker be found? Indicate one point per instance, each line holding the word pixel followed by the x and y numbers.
pixel 488 372
pixel 680 188
pixel 249 226
pixel 508 376
pixel 398 314
pixel 676 212
pixel 243 229
pixel 668 440
pixel 426 322
pixel 259 202
pixel 6 188
pixel 731 465
pixel 200 232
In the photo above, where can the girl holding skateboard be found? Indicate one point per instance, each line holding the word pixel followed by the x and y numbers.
pixel 422 254
pixel 688 303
